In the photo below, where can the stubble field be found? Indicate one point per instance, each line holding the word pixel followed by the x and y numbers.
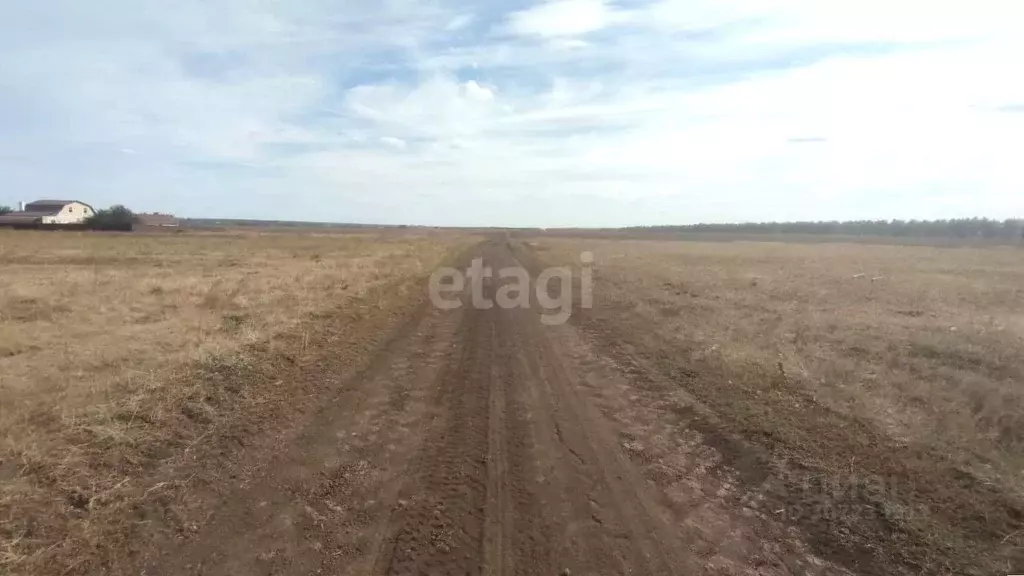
pixel 267 402
pixel 125 359
pixel 870 394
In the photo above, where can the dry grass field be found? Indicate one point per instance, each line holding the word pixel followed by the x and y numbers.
pixel 881 386
pixel 124 357
pixel 286 402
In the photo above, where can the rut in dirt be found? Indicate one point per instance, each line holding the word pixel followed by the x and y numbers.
pixel 456 512
pixel 513 478
pixel 468 449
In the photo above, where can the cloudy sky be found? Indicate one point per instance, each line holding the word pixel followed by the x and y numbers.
pixel 517 112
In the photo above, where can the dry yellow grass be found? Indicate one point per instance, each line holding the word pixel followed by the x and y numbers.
pixel 846 361
pixel 78 311
pixel 106 339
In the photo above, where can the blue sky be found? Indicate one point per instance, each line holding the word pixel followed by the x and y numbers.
pixel 540 113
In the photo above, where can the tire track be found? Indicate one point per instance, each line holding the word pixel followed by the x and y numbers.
pixel 439 524
pixel 472 506
pixel 473 448
pixel 609 520
pixel 516 475
pixel 498 505
pixel 320 498
pixel 527 542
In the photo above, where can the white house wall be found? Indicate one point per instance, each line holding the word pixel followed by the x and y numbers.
pixel 74 213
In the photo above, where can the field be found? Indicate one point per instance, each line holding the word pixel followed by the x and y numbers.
pixel 288 402
pixel 870 393
pixel 123 356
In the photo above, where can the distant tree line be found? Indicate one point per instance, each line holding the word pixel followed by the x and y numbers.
pixel 954 228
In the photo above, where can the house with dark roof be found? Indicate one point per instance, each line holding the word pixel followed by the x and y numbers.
pixel 48 212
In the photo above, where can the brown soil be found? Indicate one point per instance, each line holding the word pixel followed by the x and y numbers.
pixel 482 442
pixel 692 342
pixel 477 442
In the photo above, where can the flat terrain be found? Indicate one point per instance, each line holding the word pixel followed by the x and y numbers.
pixel 300 407
pixel 868 395
pixel 131 365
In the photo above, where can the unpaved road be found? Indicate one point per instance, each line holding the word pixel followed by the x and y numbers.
pixel 483 442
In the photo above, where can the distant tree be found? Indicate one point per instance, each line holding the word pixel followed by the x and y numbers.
pixel 5 210
pixel 116 217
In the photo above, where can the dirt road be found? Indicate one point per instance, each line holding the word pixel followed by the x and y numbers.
pixel 483 442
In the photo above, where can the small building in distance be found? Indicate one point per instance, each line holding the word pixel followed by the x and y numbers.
pixel 43 213
pixel 156 220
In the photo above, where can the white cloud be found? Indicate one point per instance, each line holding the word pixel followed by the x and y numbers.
pixel 562 18
pixel 439 107
pixel 396 143
pixel 475 91
pixel 568 43
pixel 459 22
